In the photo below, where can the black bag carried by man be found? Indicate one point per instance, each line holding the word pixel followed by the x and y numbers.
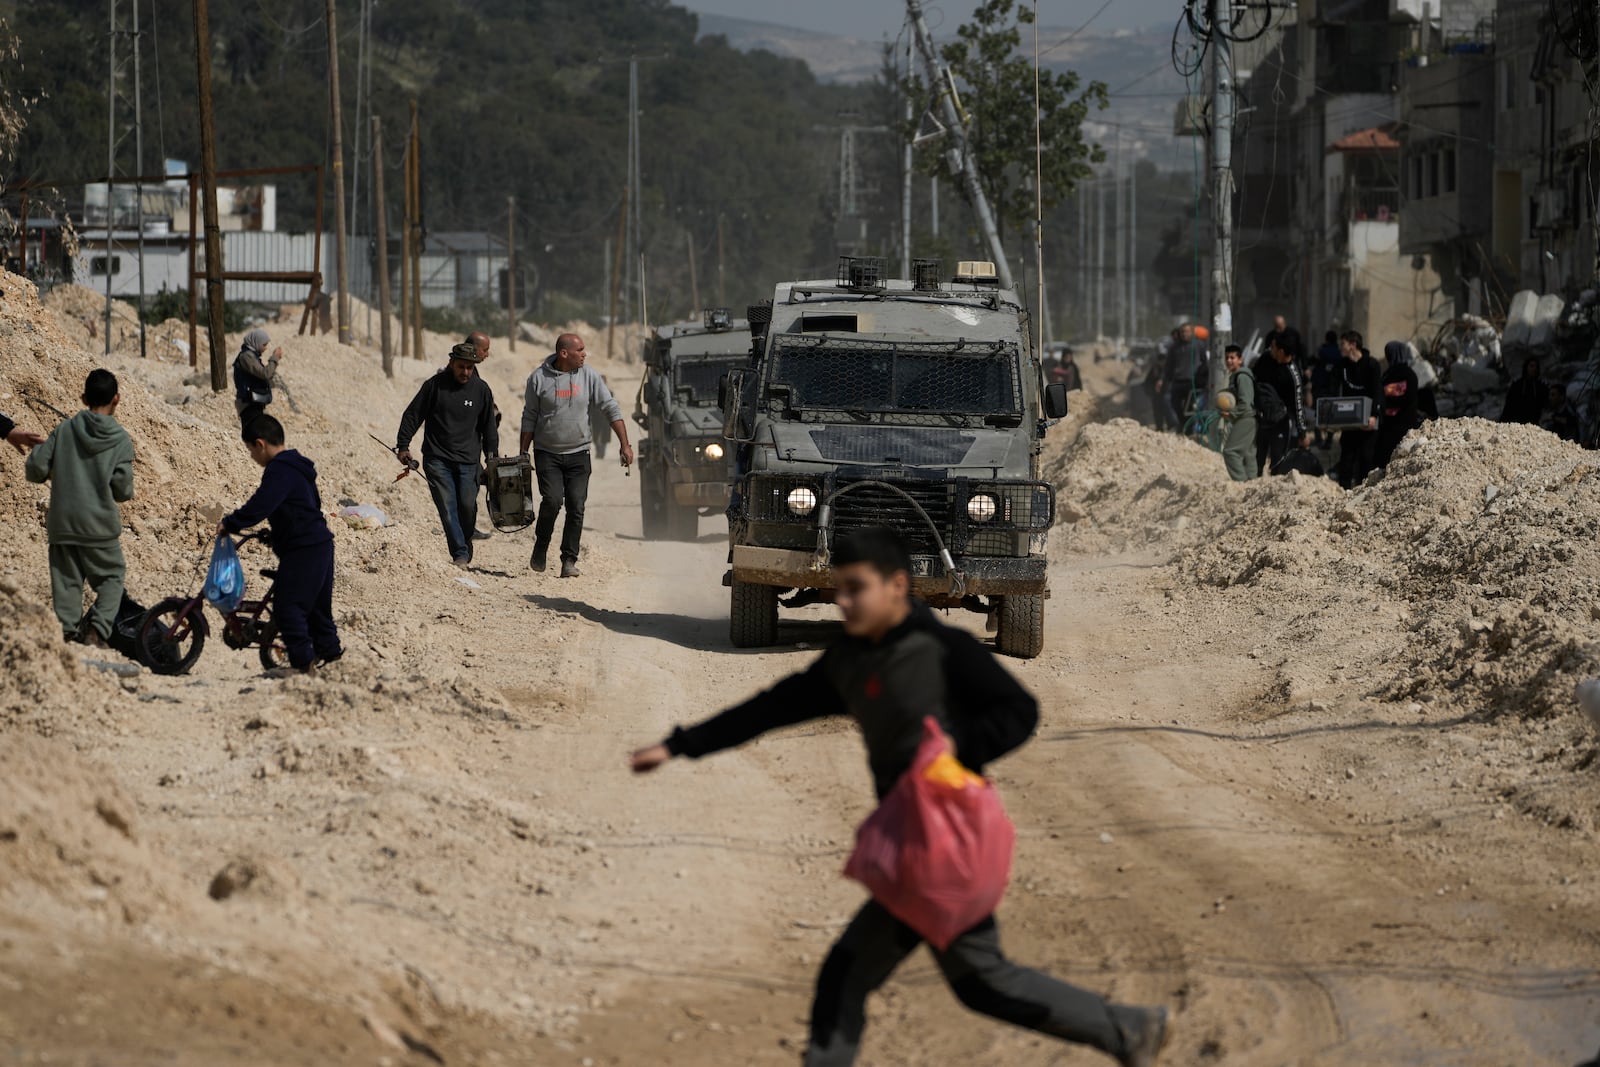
pixel 513 505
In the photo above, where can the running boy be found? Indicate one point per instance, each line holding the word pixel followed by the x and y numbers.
pixel 897 664
pixel 291 506
pixel 88 461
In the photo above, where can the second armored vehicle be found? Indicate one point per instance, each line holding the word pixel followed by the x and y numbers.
pixel 683 468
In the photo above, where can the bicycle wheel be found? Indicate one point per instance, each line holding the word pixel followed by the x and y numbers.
pixel 274 653
pixel 173 636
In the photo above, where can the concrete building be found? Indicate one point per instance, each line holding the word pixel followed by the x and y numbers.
pixel 1447 130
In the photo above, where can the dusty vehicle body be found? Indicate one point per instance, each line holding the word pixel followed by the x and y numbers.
pixel 683 463
pixel 917 405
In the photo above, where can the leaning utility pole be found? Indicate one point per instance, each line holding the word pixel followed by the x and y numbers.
pixel 208 193
pixel 511 273
pixel 380 208
pixel 336 124
pixel 960 158
pixel 1222 105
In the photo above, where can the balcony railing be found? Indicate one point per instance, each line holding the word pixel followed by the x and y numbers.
pixel 1372 205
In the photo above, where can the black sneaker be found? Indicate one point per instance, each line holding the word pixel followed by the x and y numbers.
pixel 1144 1035
pixel 537 561
pixel 569 569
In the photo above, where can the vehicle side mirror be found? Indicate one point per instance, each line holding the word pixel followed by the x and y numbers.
pixel 1055 400
pixel 730 393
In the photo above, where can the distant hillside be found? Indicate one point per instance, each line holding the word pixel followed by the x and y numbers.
pixel 831 58
pixel 1138 61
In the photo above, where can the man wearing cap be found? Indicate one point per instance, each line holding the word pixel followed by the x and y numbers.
pixel 556 413
pixel 455 411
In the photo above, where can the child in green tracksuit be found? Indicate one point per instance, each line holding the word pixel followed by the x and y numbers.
pixel 88 462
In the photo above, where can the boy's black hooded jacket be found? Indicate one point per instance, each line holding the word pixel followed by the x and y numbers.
pixel 288 500
pixel 922 667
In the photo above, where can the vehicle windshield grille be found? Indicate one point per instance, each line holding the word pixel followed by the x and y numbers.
pixel 703 378
pixel 898 378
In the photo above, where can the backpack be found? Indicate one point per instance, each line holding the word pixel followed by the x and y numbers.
pixel 1270 408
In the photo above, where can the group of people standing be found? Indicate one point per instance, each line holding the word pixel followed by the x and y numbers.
pixel 1267 423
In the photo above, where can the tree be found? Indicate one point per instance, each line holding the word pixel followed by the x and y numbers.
pixel 996 84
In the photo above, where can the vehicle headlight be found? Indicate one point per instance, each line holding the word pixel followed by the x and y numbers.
pixel 713 451
pixel 802 501
pixel 982 508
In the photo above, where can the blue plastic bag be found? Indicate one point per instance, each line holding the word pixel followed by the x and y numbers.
pixel 225 577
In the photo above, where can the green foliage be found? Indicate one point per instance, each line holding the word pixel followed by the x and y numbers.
pixel 174 304
pixel 523 97
pixel 996 84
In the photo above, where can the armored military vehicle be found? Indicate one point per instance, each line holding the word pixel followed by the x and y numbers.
pixel 683 466
pixel 915 404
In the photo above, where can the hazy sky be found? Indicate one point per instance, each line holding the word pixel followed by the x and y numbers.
pixel 871 19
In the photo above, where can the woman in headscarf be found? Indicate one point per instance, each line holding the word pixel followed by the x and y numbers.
pixel 253 373
pixel 1397 415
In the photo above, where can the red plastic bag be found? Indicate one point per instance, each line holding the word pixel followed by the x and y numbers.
pixel 937 852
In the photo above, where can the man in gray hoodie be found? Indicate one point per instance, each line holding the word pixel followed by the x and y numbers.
pixel 88 462
pixel 556 412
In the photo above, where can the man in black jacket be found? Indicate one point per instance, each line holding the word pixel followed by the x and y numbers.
pixel 455 410
pixel 289 503
pixel 1282 417
pixel 1359 375
pixel 896 665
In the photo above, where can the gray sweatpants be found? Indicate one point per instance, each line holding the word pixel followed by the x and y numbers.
pixel 875 943
pixel 101 568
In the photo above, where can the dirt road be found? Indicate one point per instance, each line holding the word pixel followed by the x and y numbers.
pixel 1306 886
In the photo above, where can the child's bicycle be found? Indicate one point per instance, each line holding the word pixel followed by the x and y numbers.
pixel 175 631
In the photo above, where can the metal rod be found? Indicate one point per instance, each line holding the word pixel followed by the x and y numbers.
pixel 907 161
pixel 111 158
pixel 405 251
pixel 416 239
pixel 208 181
pixel 194 235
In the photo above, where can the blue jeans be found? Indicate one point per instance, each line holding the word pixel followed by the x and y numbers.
pixel 455 493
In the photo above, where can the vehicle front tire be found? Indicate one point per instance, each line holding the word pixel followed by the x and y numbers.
pixel 1021 630
pixel 753 615
pixel 653 503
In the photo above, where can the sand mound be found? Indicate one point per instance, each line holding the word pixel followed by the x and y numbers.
pixel 37 671
pixel 67 827
pixel 1122 485
pixel 1488 534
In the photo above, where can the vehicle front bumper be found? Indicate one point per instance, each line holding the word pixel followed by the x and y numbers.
pixel 982 575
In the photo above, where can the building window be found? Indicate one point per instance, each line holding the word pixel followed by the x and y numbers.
pixel 1433 173
pixel 1508 85
pixel 1449 168
pixel 98 264
pixel 1416 177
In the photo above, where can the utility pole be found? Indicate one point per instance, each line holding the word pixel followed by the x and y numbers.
pixel 1222 105
pixel 208 192
pixel 907 161
pixel 415 158
pixel 616 277
pixel 404 311
pixel 340 266
pixel 123 109
pixel 383 244
pixel 1119 238
pixel 722 287
pixel 1100 260
pixel 960 154
pixel 694 279
pixel 933 199
pixel 1133 249
pixel 511 273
